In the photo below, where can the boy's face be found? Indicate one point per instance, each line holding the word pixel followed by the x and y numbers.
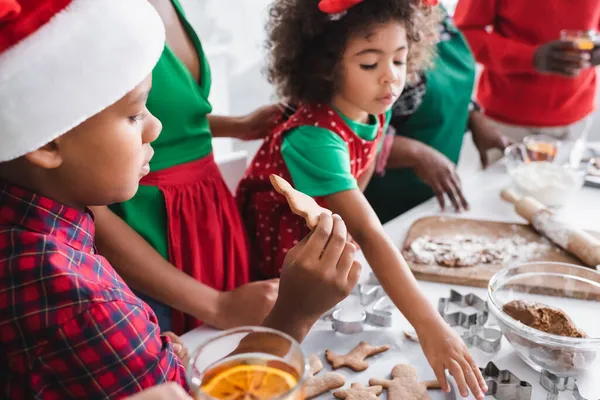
pixel 102 160
pixel 373 70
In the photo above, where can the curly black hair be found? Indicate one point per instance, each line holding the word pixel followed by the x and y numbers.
pixel 305 45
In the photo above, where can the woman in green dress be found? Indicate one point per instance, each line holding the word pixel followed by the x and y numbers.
pixel 180 242
pixel 429 121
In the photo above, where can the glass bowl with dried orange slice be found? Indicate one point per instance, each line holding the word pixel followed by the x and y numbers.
pixel 249 363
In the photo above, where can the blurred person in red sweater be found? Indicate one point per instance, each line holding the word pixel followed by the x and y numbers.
pixel 532 81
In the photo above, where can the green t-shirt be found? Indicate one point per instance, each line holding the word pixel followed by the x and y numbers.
pixel 318 159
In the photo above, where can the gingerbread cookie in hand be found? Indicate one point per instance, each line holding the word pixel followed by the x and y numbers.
pixel 404 384
pixel 317 385
pixel 357 392
pixel 355 360
pixel 300 203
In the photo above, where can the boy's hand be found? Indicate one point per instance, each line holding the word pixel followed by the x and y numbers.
pixel 178 347
pixel 167 391
pixel 438 172
pixel 561 57
pixel 445 350
pixel 317 274
pixel 247 305
pixel 485 136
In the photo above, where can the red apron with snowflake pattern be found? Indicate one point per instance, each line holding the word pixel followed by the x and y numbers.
pixel 272 228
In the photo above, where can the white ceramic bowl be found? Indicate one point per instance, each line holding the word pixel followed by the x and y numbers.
pixel 551 184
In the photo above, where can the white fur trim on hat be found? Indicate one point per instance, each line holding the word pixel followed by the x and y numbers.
pixel 83 60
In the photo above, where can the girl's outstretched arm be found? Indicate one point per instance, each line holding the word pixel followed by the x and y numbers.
pixel 441 345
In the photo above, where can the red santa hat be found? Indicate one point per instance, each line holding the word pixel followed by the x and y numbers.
pixel 63 61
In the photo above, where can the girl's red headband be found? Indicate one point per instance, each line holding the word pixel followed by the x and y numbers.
pixel 340 6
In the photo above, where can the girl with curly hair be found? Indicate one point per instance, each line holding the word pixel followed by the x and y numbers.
pixel 343 64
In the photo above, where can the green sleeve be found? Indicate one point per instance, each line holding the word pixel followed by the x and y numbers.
pixel 318 161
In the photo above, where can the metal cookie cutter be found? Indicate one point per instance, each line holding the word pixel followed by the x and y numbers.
pixel 328 316
pixel 460 318
pixel 487 339
pixel 554 384
pixel 344 325
pixel 367 293
pixel 379 314
pixel 504 385
pixel 372 280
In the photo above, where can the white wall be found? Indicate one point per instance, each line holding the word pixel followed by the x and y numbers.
pixel 232 33
pixel 595 131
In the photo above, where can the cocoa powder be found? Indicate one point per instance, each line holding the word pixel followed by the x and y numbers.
pixel 543 318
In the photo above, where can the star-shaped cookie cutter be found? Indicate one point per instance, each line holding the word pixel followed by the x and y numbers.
pixel 461 318
pixel 504 385
pixel 554 385
pixel 486 338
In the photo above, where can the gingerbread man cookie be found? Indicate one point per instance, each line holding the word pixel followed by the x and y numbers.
pixel 355 360
pixel 357 392
pixel 300 203
pixel 317 385
pixel 404 384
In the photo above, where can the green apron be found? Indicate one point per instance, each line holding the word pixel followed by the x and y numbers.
pixel 440 122
pixel 182 105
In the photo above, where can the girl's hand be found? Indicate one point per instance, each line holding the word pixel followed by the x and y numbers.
pixel 446 351
pixel 437 171
pixel 259 123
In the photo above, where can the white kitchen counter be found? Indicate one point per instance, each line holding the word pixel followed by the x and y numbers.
pixel 482 191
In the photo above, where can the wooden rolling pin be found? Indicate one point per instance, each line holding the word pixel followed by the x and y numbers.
pixel 575 241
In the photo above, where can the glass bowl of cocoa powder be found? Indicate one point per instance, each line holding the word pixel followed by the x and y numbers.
pixel 550 314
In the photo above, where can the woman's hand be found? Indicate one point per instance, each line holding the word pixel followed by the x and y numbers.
pixel 486 136
pixel 437 171
pixel 259 123
pixel 446 351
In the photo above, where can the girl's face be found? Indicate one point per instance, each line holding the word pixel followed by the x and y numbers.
pixel 373 71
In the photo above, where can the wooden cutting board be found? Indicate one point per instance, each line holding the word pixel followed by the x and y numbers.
pixel 478 275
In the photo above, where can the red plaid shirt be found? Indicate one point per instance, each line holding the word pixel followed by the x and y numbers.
pixel 70 328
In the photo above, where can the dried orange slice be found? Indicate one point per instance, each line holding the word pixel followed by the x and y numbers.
pixel 250 382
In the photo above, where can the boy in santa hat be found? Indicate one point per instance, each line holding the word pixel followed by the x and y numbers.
pixel 74 133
